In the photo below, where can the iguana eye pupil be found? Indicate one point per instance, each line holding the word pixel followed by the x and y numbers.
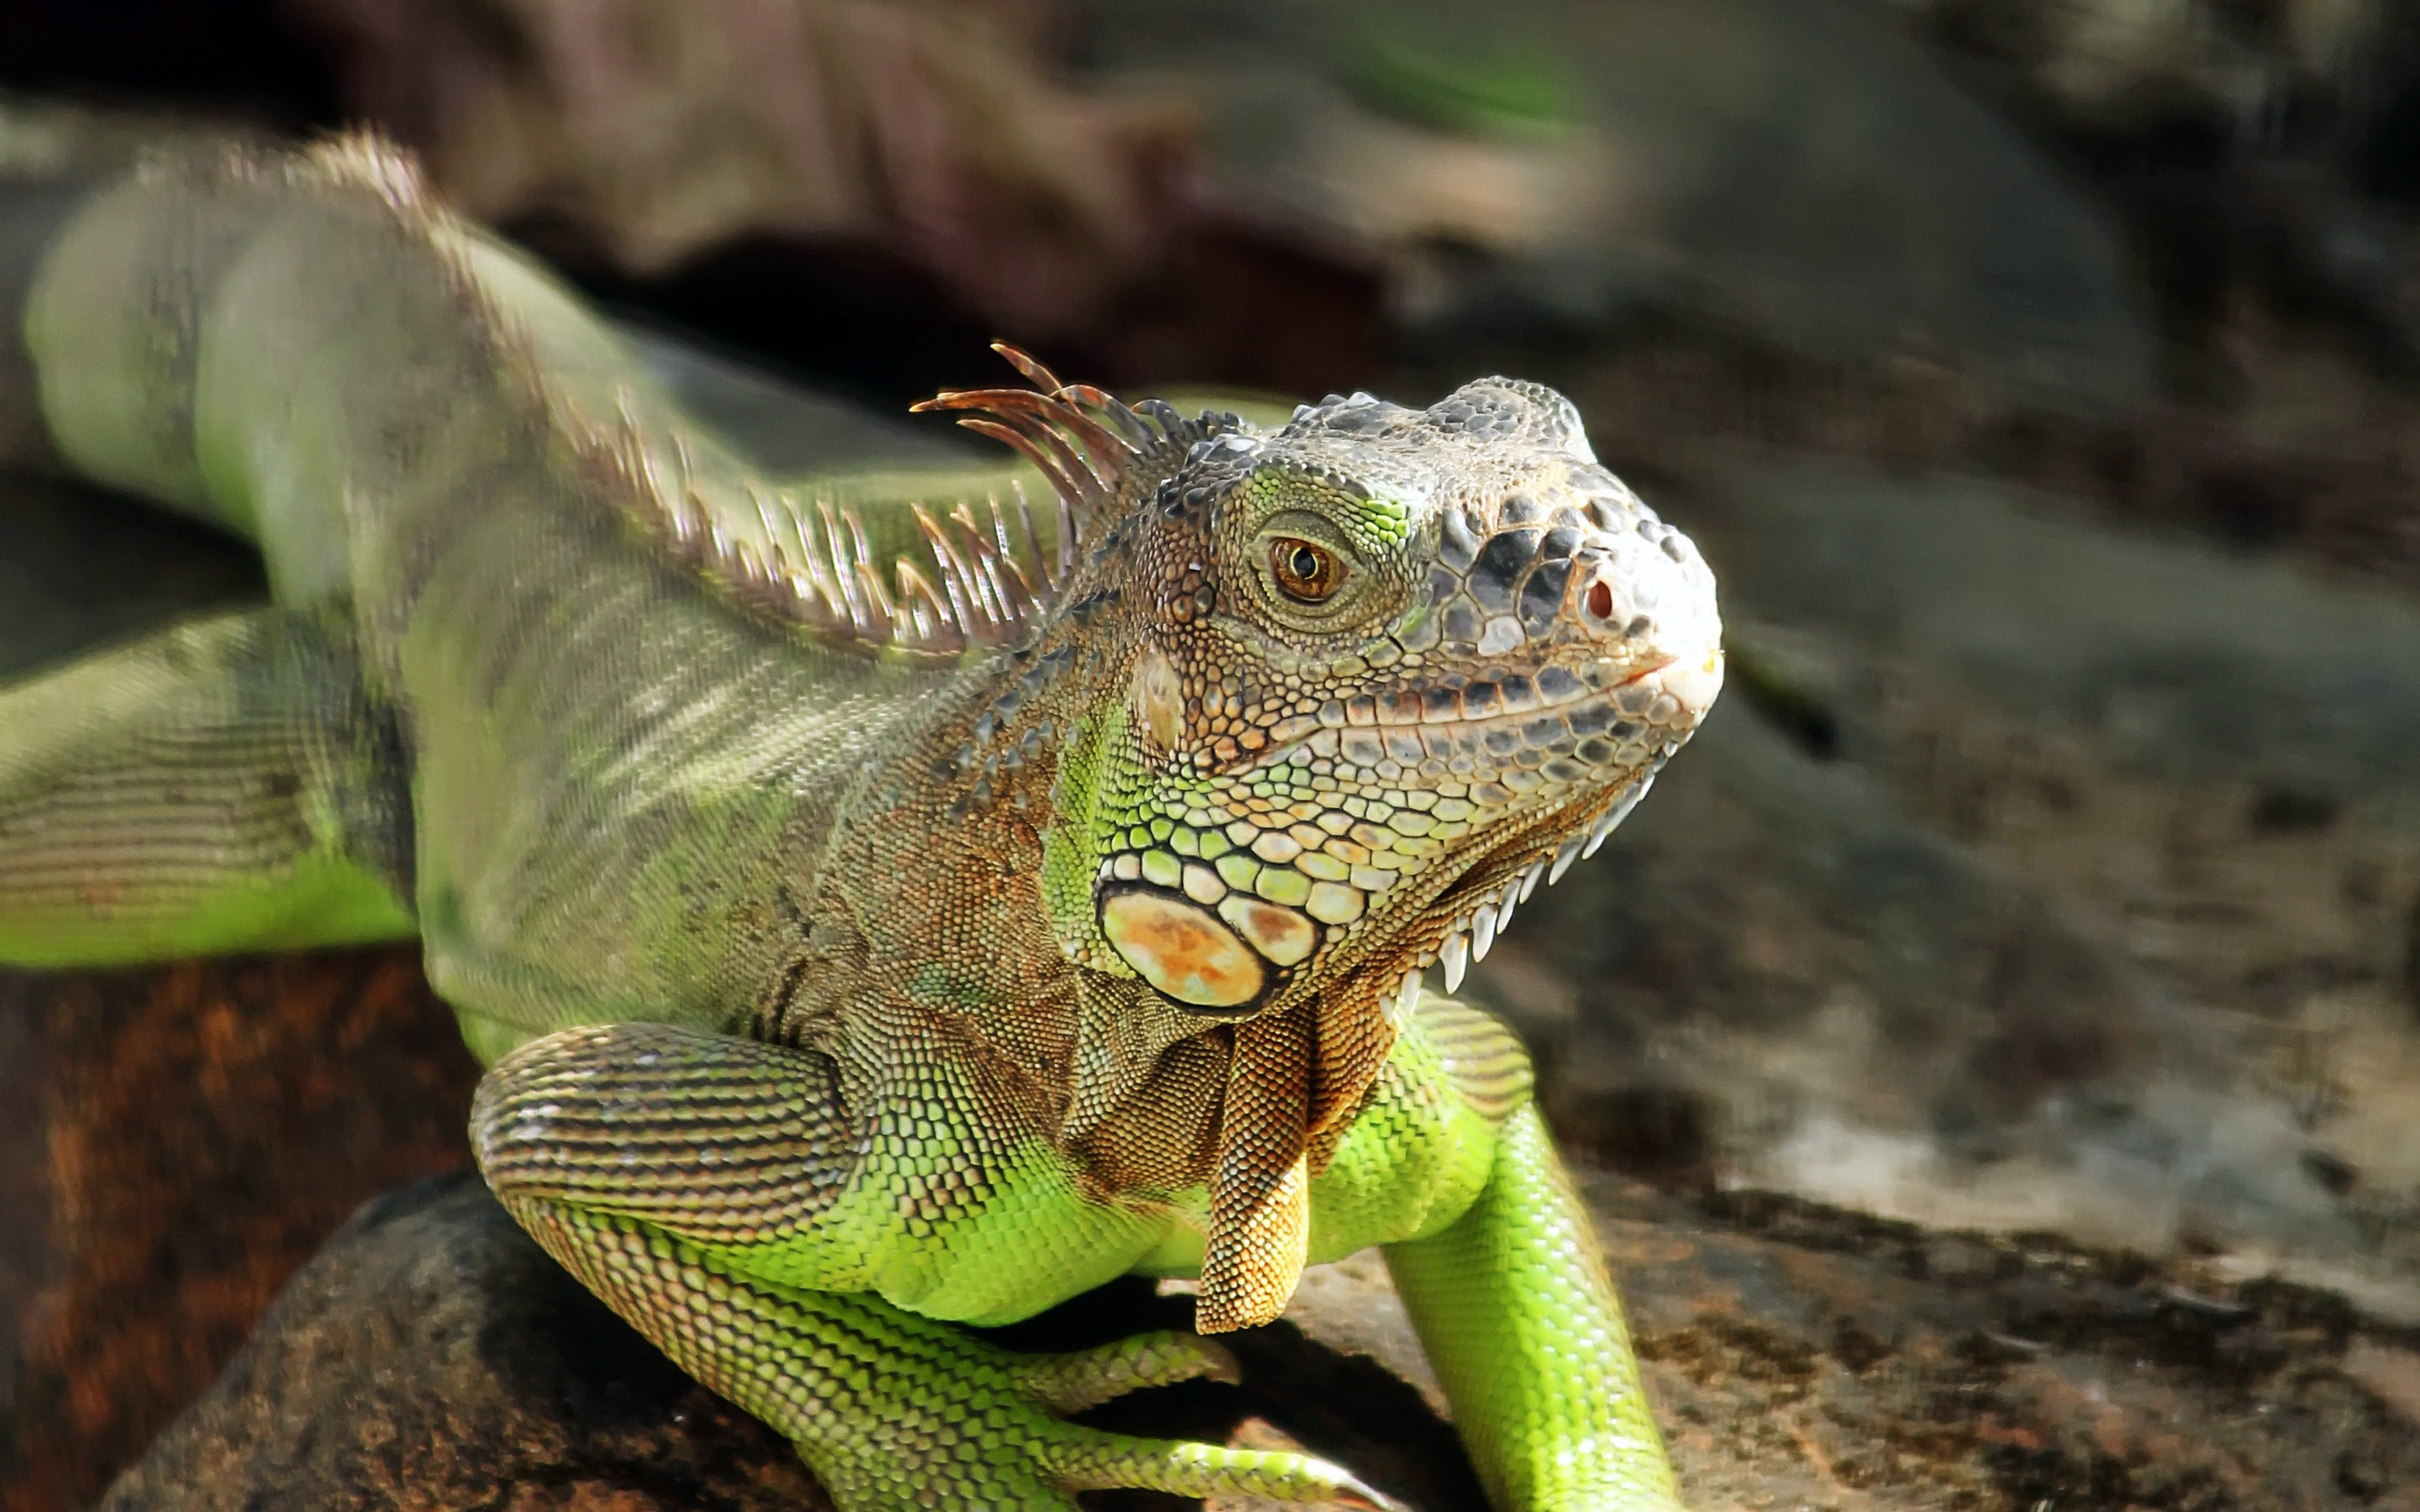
pixel 1305 569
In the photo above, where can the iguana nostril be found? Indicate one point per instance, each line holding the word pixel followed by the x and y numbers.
pixel 1599 602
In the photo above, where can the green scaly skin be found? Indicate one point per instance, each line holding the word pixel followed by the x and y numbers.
pixel 858 951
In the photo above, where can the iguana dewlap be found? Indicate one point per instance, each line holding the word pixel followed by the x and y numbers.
pixel 876 914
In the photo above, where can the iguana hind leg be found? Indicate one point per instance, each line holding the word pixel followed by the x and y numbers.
pixel 219 786
pixel 649 1160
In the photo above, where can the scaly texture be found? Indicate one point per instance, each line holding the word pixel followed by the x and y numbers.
pixel 1515 1285
pixel 881 904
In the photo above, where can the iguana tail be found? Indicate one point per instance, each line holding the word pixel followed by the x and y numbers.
pixel 538 599
pixel 233 782
pixel 225 785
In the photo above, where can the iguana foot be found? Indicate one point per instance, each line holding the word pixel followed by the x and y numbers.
pixel 894 1412
pixel 987 1424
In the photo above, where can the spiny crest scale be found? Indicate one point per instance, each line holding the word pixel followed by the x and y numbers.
pixel 811 565
pixel 1090 445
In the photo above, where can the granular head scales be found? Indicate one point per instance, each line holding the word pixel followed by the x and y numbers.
pixel 1395 667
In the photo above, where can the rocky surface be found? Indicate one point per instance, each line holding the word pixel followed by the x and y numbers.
pixel 1806 1357
pixel 173 1143
pixel 432 1357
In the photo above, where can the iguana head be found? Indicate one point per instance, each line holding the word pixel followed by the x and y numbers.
pixel 1390 669
pixel 1321 703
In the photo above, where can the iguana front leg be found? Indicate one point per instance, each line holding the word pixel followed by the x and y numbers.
pixel 1449 1168
pixel 1520 1321
pixel 653 1163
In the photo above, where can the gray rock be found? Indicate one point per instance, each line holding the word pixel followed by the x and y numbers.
pixel 2186 660
pixel 432 1356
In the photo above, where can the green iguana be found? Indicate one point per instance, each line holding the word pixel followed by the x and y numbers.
pixel 874 918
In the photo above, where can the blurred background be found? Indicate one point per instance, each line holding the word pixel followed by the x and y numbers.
pixel 2042 380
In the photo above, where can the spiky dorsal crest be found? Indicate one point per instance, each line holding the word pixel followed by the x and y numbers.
pixel 811 564
pixel 1083 440
pixel 807 564
pixel 814 566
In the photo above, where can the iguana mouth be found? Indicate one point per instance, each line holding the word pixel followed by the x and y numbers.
pixel 1222 927
pixel 1466 916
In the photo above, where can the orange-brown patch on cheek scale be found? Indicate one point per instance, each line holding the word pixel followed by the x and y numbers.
pixel 1182 949
pixel 1280 934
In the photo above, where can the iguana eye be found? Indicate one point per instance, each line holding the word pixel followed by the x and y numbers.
pixel 1305 569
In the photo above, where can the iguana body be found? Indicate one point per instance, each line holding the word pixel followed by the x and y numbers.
pixel 857 948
